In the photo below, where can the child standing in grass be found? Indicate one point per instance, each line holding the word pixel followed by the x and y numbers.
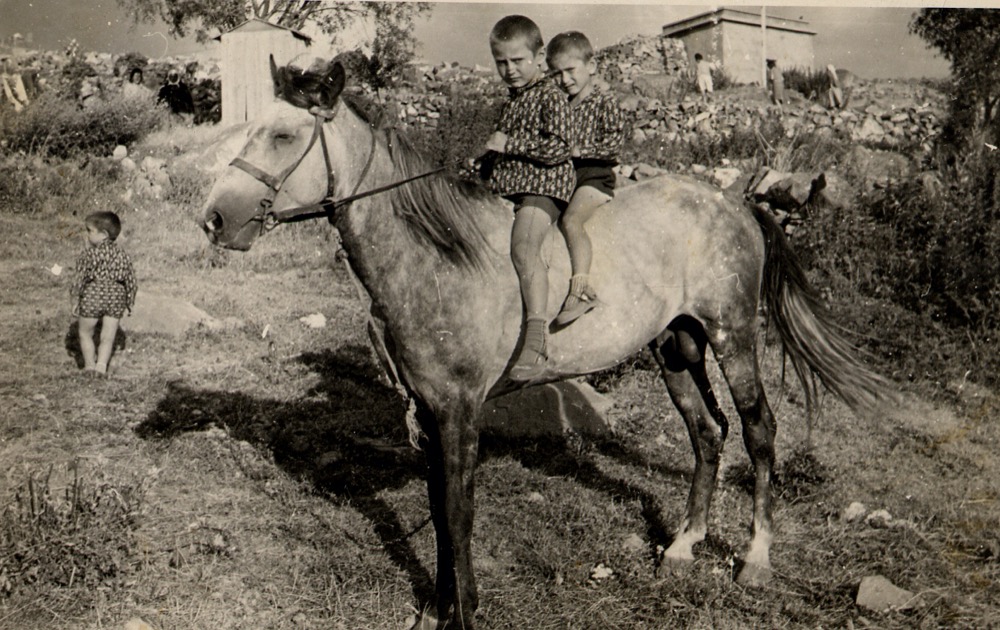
pixel 703 76
pixel 532 169
pixel 599 133
pixel 103 288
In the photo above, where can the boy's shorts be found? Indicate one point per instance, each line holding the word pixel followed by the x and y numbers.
pixel 705 84
pixel 600 177
pixel 100 298
pixel 552 206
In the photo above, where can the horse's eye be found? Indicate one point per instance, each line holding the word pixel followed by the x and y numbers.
pixel 283 136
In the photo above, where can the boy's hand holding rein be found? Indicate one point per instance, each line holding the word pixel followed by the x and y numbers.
pixel 497 142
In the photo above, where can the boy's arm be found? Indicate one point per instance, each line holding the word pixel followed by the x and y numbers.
pixel 609 134
pixel 131 286
pixel 551 144
pixel 84 267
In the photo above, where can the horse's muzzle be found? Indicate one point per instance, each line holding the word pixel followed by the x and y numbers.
pixel 213 225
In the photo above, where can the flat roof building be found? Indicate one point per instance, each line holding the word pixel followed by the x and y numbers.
pixel 736 39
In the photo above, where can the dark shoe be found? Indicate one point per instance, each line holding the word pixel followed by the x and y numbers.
pixel 532 361
pixel 574 307
pixel 530 365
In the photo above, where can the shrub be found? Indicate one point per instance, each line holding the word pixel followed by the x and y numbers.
pixel 466 121
pixel 55 126
pixel 721 80
pixel 810 83
pixel 79 539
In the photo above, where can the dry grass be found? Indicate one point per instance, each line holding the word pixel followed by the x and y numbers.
pixel 277 489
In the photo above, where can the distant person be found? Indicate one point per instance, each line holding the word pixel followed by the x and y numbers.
pixel 13 85
pixel 91 93
pixel 104 287
pixel 532 169
pixel 598 130
pixel 703 76
pixel 776 82
pixel 135 88
pixel 176 95
pixel 834 93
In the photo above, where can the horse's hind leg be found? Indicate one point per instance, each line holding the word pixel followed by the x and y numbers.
pixel 681 357
pixel 737 356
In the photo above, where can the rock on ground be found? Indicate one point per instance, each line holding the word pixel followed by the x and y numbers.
pixel 879 594
pixel 161 314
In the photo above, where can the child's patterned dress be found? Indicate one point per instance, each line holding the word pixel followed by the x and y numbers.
pixel 104 283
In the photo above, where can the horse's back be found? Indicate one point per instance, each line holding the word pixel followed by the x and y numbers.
pixel 662 247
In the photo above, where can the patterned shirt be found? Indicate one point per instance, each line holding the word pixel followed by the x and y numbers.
pixel 599 127
pixel 536 160
pixel 104 263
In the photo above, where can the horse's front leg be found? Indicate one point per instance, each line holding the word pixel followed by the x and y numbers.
pixel 452 449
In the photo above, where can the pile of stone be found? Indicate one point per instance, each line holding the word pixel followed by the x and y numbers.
pixel 634 57
pixel 650 77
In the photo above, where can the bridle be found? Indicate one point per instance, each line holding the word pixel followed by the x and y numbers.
pixel 269 219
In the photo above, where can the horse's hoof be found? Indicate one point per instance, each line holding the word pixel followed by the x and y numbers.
pixel 754 576
pixel 425 621
pixel 672 567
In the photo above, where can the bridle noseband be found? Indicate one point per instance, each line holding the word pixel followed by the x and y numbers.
pixel 269 219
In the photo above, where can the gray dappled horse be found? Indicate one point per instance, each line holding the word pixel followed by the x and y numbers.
pixel 679 265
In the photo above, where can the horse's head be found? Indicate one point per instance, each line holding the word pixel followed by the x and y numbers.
pixel 285 162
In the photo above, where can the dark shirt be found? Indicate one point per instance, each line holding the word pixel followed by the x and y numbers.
pixel 177 96
pixel 536 160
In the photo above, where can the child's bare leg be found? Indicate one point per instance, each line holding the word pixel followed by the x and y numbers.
pixel 531 224
pixel 85 330
pixel 109 328
pixel 586 200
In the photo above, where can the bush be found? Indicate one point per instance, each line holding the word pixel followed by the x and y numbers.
pixel 810 83
pixel 31 185
pixel 79 539
pixel 742 143
pixel 466 121
pixel 55 126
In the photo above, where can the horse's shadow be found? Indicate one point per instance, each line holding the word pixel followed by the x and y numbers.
pixel 347 438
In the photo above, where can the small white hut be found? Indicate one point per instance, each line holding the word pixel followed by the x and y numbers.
pixel 246 73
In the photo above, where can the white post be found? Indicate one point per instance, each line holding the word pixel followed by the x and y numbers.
pixel 763 51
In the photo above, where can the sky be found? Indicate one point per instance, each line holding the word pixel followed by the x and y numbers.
pixel 871 41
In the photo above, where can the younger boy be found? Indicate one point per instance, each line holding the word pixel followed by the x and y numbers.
pixel 532 169
pixel 599 132
pixel 103 289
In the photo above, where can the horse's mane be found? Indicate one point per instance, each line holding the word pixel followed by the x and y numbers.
pixel 440 210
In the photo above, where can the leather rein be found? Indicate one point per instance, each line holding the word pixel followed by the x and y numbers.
pixel 269 219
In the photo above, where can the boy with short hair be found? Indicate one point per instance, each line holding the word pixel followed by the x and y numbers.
pixel 532 169
pixel 599 133
pixel 104 287
pixel 703 75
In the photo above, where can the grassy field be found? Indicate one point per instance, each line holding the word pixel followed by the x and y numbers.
pixel 232 480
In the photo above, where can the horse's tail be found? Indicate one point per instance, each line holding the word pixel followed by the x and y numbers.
pixel 811 339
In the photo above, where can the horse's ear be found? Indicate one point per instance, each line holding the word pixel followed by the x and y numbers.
pixel 276 77
pixel 333 83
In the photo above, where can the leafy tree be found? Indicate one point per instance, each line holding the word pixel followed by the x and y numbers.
pixel 970 40
pixel 391 47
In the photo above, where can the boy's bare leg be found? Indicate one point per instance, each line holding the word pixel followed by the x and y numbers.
pixel 85 330
pixel 109 328
pixel 586 200
pixel 531 224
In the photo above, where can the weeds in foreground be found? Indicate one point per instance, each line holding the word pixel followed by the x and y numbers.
pixel 75 540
